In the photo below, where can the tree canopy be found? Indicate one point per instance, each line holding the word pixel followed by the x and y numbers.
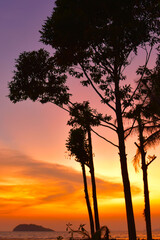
pixel 37 77
pixel 100 29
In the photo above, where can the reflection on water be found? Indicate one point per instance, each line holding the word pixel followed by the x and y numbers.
pixel 66 235
pixel 34 235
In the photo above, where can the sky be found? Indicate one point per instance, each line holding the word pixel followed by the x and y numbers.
pixel 39 183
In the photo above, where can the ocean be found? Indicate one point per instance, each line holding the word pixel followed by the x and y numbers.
pixel 55 235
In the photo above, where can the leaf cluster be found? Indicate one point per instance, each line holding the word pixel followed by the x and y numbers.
pixel 37 77
pixel 149 89
pixel 115 28
pixel 77 145
pixel 83 115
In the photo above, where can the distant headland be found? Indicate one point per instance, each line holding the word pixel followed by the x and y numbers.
pixel 31 227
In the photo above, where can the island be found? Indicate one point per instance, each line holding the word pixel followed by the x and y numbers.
pixel 31 227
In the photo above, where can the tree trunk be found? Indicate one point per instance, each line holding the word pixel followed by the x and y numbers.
pixel 95 204
pixel 87 200
pixel 147 213
pixel 123 162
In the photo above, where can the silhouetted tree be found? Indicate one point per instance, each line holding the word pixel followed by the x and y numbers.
pixel 82 115
pixel 141 155
pixel 147 116
pixel 78 147
pixel 93 41
pixel 145 180
pixel 144 117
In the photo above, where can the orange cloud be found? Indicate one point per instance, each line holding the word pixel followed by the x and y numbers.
pixel 30 187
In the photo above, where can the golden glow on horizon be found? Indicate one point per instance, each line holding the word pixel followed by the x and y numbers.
pixel 32 189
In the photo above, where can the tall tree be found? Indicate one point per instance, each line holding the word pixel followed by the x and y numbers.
pixel 82 115
pixel 140 156
pixel 145 179
pixel 77 146
pixel 145 114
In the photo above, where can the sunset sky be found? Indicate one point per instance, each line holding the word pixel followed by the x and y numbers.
pixel 39 183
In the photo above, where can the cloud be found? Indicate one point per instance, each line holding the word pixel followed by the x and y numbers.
pixel 28 183
pixel 108 189
pixel 16 163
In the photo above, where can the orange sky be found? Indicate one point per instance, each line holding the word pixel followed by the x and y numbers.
pixel 38 182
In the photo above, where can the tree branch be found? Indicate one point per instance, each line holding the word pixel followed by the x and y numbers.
pixel 103 125
pixel 130 129
pixel 104 65
pixel 90 81
pixel 104 138
pixel 61 107
pixel 139 82
pixel 151 161
pixel 137 145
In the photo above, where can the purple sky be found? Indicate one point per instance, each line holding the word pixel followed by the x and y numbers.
pixel 20 22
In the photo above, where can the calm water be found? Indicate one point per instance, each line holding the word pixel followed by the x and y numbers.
pixel 65 235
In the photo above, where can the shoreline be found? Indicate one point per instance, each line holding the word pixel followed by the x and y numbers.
pixel 68 238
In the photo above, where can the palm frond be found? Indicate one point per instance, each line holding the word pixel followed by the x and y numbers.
pixel 136 160
pixel 150 129
pixel 152 140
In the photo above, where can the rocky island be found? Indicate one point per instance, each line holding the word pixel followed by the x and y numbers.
pixel 31 227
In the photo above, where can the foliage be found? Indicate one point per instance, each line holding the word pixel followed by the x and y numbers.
pixel 151 85
pixel 77 145
pixel 85 25
pixel 37 77
pixel 81 230
pixel 104 232
pixel 83 115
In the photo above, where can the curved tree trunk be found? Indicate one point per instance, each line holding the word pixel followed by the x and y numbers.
pixel 95 204
pixel 147 213
pixel 87 200
pixel 123 162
